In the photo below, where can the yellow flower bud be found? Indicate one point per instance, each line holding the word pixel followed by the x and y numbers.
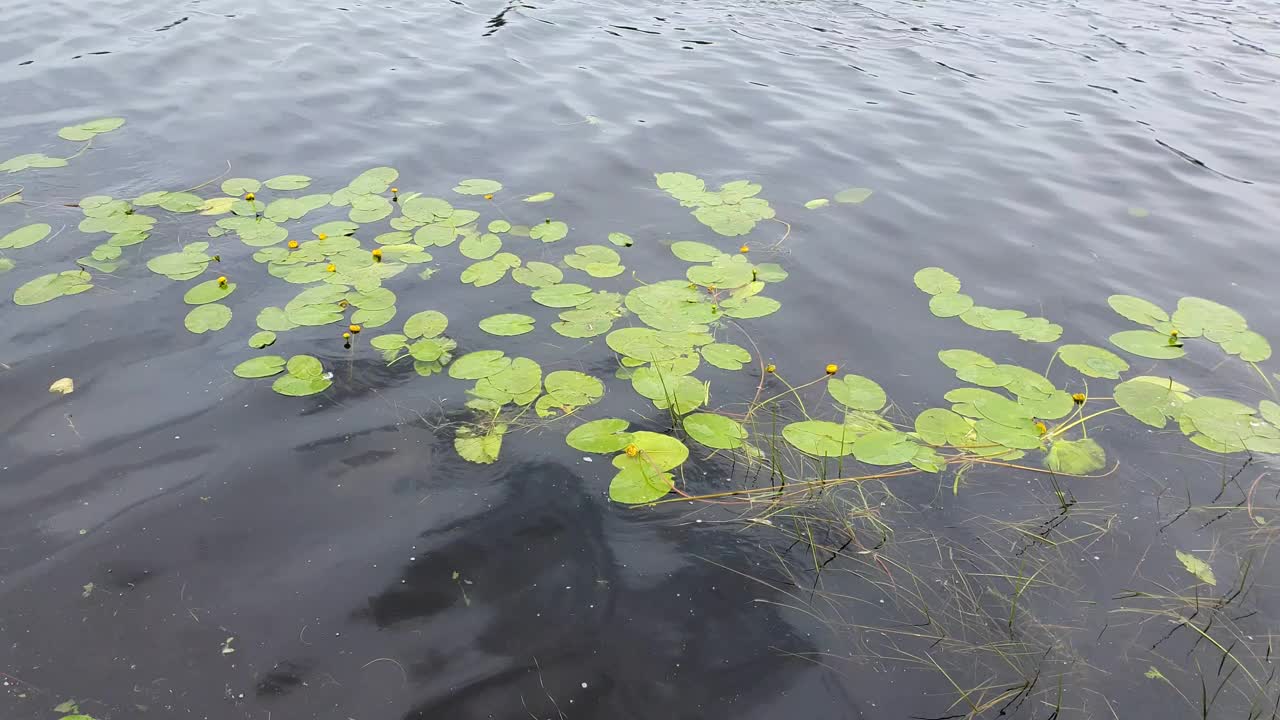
pixel 293 244
pixel 346 336
pixel 744 249
pixel 354 328
pixel 222 281
pixel 332 268
pixel 249 197
pixel 770 368
pixel 1078 398
pixel 632 450
pixel 832 369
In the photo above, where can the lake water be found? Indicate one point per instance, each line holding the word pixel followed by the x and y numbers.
pixel 178 542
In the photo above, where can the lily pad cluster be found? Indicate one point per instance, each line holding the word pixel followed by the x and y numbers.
pixel 76 133
pixel 644 459
pixel 732 210
pixel 947 301
pixel 1194 318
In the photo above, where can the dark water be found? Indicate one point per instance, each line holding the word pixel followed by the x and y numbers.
pixel 1008 142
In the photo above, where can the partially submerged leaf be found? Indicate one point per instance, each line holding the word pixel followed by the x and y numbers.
pixel 1075 457
pixel 507 324
pixel 1197 567
pixel 52 286
pixel 63 386
pixel 207 318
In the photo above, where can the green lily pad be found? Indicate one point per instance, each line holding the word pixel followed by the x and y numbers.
pixel 31 160
pixel 507 324
pixel 600 436
pixel 484 272
pixel 479 364
pixel 562 295
pixel 715 431
pixel 260 367
pixel 499 226
pixel 274 319
pixel 857 393
pixel 691 251
pixel 477 187
pixel 549 231
pixel 52 286
pixel 1197 317
pixel 88 130
pixel 540 197
pixel 1146 343
pixel 537 274
pixel 939 426
pixel 1197 567
pixel 1143 312
pixel 25 236
pixel 855 195
pixel 1249 345
pixel 816 203
pixel 945 305
pixel 6 265
pixel 479 247
pixel 725 356
pixel 1152 400
pixel 621 239
pixel 1093 361
pixel 756 306
pixel 261 339
pixel 184 265
pixel 207 318
pixel 240 186
pixel 1075 457
pixel 475 446
pixel 820 438
pixel 636 484
pixel 425 324
pixel 655 451
pixel 288 182
pixel 884 447
pixel 573 388
pixel 296 386
pixel 207 292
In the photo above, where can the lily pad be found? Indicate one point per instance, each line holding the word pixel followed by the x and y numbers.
pixel 1093 361
pixel 25 236
pixel 1143 312
pixel 1152 400
pixel 715 431
pixel 573 388
pixel 1197 567
pixel 600 436
pixel 208 318
pixel 884 447
pixel 654 451
pixel 816 203
pixel 288 182
pixel 1075 457
pixel 1197 317
pixel 562 295
pixel 857 393
pixel 52 286
pixel 31 160
pixel 475 446
pixel 820 438
pixel 1147 343
pixel 207 292
pixel 621 239
pixel 540 197
pixel 939 426
pixel 477 187
pixel 261 339
pixel 549 231
pixel 1249 345
pixel 260 367
pixel 945 305
pixel 692 251
pixel 425 324
pixel 636 484
pixel 537 274
pixel 507 324
pixel 854 195
pixel 725 356
pixel 297 386
pixel 88 130
pixel 479 247
pixel 479 364
pixel 240 186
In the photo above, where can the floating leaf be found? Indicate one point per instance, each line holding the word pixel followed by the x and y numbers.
pixel 853 195
pixel 1249 345
pixel 507 324
pixel 184 265
pixel 1196 317
pixel 600 436
pixel 240 186
pixel 1197 567
pixel 945 305
pixel 1075 457
pixel 87 131
pixel 621 239
pixel 274 319
pixel 208 318
pixel 939 426
pixel 755 306
pixel 474 446
pixel 288 182
pixel 820 438
pixel 726 356
pixel 655 451
pixel 562 295
pixel 479 364
pixel 260 367
pixel 1093 361
pixel 297 386
pixel 637 484
pixel 540 197
pixel 595 260
pixel 857 393
pixel 1153 400
pixel 479 247
pixel 477 187
pixel 485 272
pixel 63 386
pixel 31 160
pixel 549 231
pixel 884 447
pixel 537 274
pixel 1143 312
pixel 52 286
pixel 817 203
pixel 207 292
pixel 6 265
pixel 572 388
pixel 262 339
pixel 1147 343
pixel 715 431
pixel 25 236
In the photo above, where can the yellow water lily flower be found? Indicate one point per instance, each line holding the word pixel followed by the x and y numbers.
pixel 832 369
pixel 332 268
pixel 377 254
pixel 632 450
pixel 1078 398
pixel 354 328
pixel 222 281
pixel 249 197
pixel 744 249
pixel 293 244
pixel 770 368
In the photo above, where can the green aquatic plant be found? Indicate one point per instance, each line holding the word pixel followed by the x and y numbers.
pixel 948 301
pixel 732 210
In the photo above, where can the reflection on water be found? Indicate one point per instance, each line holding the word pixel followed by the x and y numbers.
pixel 1049 153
